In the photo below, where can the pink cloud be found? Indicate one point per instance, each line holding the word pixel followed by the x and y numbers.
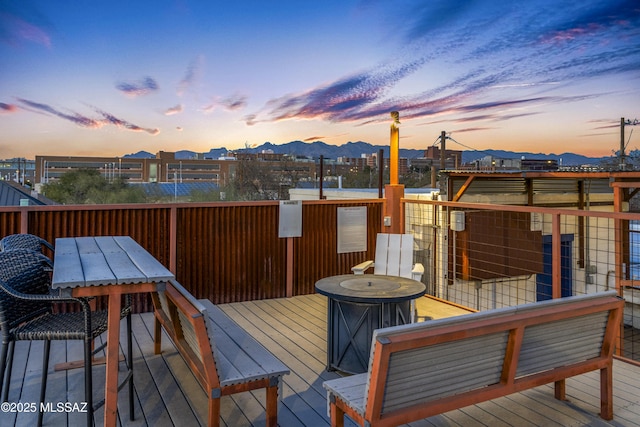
pixel 8 108
pixel 173 110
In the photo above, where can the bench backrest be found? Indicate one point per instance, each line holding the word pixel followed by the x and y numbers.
pixel 219 351
pixel 423 362
pixel 186 318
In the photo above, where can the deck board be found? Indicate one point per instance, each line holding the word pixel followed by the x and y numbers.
pixel 294 330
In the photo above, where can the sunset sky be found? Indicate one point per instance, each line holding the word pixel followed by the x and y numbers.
pixel 89 77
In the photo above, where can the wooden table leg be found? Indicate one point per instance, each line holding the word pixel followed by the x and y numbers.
pixel 113 344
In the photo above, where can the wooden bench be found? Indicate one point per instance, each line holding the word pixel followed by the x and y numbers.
pixel 224 357
pixel 423 369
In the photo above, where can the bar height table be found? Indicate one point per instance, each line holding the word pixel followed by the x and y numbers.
pixel 111 266
pixel 357 306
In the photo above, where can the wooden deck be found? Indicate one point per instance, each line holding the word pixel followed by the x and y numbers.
pixel 294 330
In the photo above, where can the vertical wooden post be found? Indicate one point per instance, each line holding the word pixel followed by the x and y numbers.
pixel 622 159
pixel 321 196
pixel 380 172
pixel 173 239
pixel 24 219
pixel 394 192
pixel 582 255
pixel 618 199
pixel 556 257
pixel 289 284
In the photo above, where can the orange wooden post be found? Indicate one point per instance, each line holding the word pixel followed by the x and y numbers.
pixel 272 406
pixel 394 192
pixel 618 199
pixel 337 415
pixel 556 257
pixel 111 380
pixel 173 239
pixel 24 219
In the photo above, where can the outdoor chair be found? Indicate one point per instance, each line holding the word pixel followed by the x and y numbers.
pixel 26 241
pixel 394 257
pixel 26 313
pixel 36 244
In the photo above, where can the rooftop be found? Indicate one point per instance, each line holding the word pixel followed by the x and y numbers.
pixel 12 194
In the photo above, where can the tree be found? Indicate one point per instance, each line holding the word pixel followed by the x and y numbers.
pixel 416 177
pixel 632 161
pixel 367 177
pixel 88 186
pixel 255 180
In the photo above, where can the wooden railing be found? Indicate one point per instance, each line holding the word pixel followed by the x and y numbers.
pixel 226 252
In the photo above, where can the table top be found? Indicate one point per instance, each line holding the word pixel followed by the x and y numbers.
pixel 104 260
pixel 370 288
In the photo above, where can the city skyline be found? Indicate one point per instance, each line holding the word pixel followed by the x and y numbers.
pixel 106 79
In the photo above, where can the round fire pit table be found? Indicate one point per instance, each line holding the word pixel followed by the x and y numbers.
pixel 359 304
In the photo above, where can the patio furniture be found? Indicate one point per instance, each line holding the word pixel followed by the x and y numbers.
pixel 357 306
pixel 24 241
pixel 36 244
pixel 394 257
pixel 26 314
pixel 111 266
pixel 224 358
pixel 424 369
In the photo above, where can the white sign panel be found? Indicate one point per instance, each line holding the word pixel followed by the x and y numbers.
pixel 352 229
pixel 290 221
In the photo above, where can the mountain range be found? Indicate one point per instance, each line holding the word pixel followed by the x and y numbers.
pixel 357 149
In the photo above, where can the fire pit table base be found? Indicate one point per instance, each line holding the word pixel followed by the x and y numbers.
pixel 352 325
pixel 359 305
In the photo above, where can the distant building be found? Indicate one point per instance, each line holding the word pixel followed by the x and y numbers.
pixel 452 159
pixel 355 164
pixel 539 165
pixel 492 163
pixel 164 167
pixel 18 170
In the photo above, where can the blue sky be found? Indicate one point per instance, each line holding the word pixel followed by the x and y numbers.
pixel 109 78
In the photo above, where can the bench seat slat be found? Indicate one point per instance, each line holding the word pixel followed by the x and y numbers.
pixel 242 358
pixel 350 389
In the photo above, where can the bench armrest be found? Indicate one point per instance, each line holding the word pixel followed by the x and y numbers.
pixel 417 272
pixel 362 267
